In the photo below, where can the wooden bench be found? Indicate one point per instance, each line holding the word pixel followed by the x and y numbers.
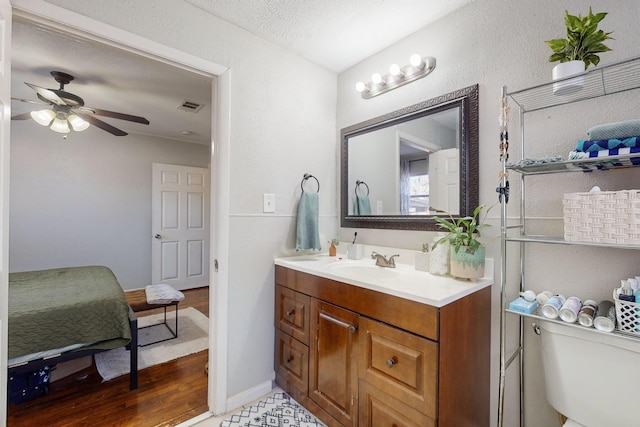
pixel 138 302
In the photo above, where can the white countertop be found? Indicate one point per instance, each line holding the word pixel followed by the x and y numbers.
pixel 404 281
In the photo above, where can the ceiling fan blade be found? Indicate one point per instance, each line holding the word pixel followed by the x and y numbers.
pixel 47 94
pixel 29 101
pixel 23 116
pixel 115 115
pixel 102 125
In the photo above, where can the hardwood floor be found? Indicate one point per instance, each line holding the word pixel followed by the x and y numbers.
pixel 167 394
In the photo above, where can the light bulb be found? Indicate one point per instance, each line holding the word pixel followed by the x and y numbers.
pixel 416 61
pixel 43 117
pixel 60 126
pixel 376 78
pixel 361 87
pixel 395 70
pixel 77 123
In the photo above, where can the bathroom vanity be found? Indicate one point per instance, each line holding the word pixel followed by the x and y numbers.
pixel 361 345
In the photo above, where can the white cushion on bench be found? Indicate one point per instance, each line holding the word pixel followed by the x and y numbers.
pixel 162 294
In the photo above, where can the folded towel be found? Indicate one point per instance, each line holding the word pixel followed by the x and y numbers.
pixel 530 161
pixel 575 155
pixel 362 205
pixel 162 294
pixel 616 130
pixel 607 144
pixel 307 229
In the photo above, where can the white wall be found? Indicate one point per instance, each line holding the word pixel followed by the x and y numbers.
pixel 496 43
pixel 86 200
pixel 282 122
pixel 373 151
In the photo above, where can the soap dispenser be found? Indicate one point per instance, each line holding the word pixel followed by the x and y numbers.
pixel 422 258
pixel 439 262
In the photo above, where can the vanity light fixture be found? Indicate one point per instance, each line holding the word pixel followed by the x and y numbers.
pixel 417 68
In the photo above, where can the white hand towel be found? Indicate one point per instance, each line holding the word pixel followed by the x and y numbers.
pixel 162 294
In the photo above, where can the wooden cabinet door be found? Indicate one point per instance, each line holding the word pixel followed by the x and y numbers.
pixel 333 362
pixel 378 409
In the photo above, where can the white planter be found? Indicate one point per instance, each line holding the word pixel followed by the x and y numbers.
pixel 567 69
pixel 467 263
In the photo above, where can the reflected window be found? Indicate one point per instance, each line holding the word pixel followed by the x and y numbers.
pixel 419 194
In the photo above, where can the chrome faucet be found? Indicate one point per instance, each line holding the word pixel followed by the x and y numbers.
pixel 384 262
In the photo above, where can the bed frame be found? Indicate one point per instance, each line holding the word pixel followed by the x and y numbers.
pixel 76 354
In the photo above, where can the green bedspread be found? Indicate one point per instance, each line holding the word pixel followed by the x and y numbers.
pixel 51 309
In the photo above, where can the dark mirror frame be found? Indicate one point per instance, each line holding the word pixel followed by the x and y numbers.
pixel 467 100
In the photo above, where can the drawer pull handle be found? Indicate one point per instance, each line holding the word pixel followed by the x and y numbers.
pixel 290 313
pixel 353 329
pixel 392 362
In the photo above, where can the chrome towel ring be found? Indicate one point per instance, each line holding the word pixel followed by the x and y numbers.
pixel 306 177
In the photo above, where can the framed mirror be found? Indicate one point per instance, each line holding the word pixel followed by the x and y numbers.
pixel 401 169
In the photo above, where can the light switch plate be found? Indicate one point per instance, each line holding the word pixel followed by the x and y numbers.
pixel 269 203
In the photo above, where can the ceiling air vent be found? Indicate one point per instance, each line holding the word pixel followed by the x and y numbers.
pixel 190 106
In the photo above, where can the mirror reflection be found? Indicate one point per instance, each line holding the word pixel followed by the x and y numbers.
pixel 400 169
pixel 424 178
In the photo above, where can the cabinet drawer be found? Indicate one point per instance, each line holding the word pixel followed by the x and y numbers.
pixel 292 362
pixel 292 313
pixel 377 409
pixel 400 364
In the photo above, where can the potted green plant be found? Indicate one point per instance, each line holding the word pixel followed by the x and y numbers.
pixel 467 254
pixel 332 249
pixel 579 50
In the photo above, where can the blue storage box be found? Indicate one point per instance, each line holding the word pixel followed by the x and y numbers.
pixel 27 385
pixel 521 305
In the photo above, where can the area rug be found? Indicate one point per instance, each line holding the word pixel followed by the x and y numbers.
pixel 193 336
pixel 278 410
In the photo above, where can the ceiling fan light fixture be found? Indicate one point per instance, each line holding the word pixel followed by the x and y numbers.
pixel 60 126
pixel 77 123
pixel 43 117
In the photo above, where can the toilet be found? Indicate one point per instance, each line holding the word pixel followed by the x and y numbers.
pixel 591 377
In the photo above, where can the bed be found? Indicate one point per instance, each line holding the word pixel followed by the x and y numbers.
pixel 65 313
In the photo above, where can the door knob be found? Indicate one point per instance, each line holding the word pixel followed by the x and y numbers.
pixel 157 236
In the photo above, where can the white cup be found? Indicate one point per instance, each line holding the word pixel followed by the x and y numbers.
pixel 354 251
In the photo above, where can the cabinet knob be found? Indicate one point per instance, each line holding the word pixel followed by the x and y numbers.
pixel 353 329
pixel 290 313
pixel 392 362
pixel 289 359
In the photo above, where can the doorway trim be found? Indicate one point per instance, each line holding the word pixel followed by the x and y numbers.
pixel 36 12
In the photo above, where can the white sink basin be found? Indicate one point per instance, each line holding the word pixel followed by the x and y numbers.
pixel 363 271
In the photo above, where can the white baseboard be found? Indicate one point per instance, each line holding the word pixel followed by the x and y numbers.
pixel 202 418
pixel 249 396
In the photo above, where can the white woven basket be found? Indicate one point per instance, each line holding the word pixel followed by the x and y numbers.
pixel 627 314
pixel 611 217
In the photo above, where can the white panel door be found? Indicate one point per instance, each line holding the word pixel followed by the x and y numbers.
pixel 180 222
pixel 444 180
pixel 5 120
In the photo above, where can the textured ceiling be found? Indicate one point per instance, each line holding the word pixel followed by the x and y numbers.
pixel 334 33
pixel 110 79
